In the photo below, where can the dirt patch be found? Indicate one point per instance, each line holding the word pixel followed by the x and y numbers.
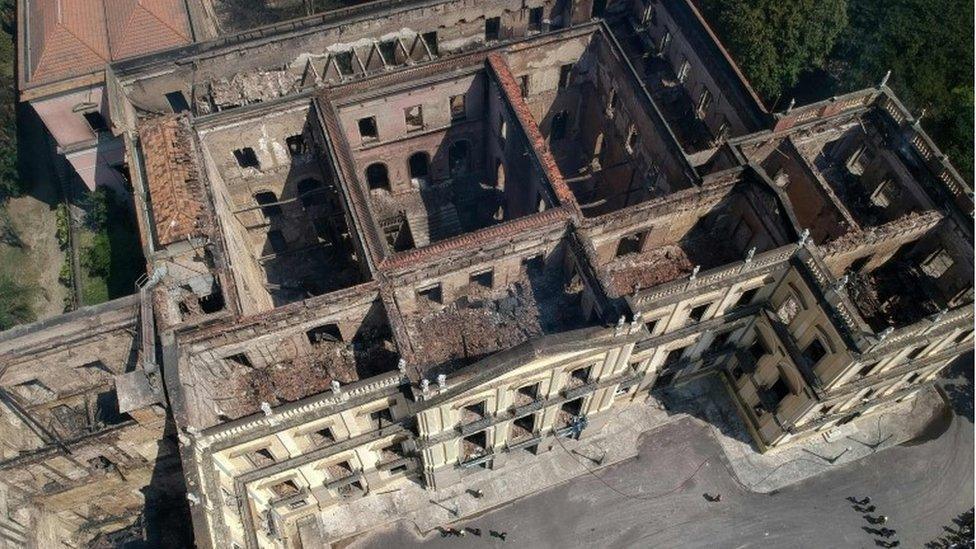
pixel 38 258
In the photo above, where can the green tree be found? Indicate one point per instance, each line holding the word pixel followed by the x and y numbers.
pixel 98 257
pixel 15 301
pixel 10 182
pixel 928 46
pixel 99 205
pixel 774 41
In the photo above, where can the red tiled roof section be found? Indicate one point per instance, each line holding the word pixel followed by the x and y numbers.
pixel 137 27
pixel 477 239
pixel 73 37
pixel 510 88
pixel 176 196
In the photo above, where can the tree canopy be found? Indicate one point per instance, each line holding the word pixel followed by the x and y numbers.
pixel 837 46
pixel 928 46
pixel 774 41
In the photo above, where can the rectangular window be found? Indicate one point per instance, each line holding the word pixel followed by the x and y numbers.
pixel 458 110
pixel 389 53
pixel 240 359
pixel 269 203
pixel 866 369
pixel 524 86
pixel 704 102
pixel 633 138
pixel 697 313
pixel 652 325
pixel 721 340
pixel 246 158
pixel 535 19
pixel 581 375
pixel 913 378
pixel 96 121
pixel 323 334
pixel 780 389
pixel 612 102
pixel 367 129
pixel 528 393
pixel 261 457
pixel 565 75
pixel 815 352
pixel 414 118
pixel 916 352
pixel 431 293
pixel 343 61
pixel 430 38
pixel 937 263
pixel 286 488
pixel 492 28
pixel 296 145
pixel 473 412
pixel 758 349
pixel 683 71
pixel 736 372
pixel 665 40
pixel 746 297
pixel 559 123
pixel 322 437
pixel 884 194
pixel 483 279
pixel 381 418
pixel 177 101
pixel 673 358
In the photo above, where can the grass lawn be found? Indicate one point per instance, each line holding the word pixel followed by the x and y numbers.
pixel 127 261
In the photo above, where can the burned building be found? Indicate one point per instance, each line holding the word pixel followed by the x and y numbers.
pixel 400 242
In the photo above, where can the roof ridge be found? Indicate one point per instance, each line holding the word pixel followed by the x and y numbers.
pixel 138 9
pixel 65 21
pixel 86 44
pixel 156 16
pixel 124 34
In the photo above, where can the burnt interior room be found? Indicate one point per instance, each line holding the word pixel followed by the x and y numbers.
pixel 674 245
pixel 443 161
pixel 282 368
pixel 864 172
pixel 235 16
pixel 609 143
pixel 813 203
pixel 921 279
pixel 545 297
pixel 288 216
pixel 667 84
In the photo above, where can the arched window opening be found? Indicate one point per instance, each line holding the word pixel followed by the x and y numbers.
pixel 268 202
pixel 377 177
pixel 459 157
pixel 419 164
pixel 559 123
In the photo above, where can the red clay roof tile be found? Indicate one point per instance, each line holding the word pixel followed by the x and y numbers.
pixel 176 195
pixel 68 38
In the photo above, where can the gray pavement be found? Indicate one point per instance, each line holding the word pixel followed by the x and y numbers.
pixel 657 500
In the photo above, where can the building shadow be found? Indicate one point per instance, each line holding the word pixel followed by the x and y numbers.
pixel 705 398
pixel 165 519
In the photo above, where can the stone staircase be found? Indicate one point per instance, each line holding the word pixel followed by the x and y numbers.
pixel 438 222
